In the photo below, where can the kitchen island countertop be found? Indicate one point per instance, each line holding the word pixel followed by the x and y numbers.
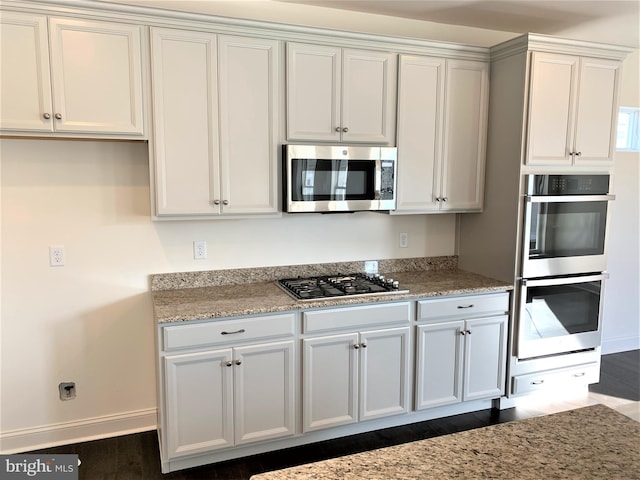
pixel 221 301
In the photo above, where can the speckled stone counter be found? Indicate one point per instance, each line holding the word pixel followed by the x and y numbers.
pixel 215 294
pixel 588 443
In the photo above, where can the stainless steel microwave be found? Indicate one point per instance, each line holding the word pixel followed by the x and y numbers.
pixel 338 178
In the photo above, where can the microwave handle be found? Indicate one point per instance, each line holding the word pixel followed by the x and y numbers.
pixel 377 184
pixel 568 198
pixel 546 282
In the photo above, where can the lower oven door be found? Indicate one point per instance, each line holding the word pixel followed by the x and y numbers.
pixel 559 315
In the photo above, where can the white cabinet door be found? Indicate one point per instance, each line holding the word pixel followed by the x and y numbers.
pixel 597 111
pixel 460 360
pixel 25 93
pixel 249 112
pixel 368 96
pixel 330 381
pixel 264 392
pixel 97 76
pixel 439 364
pixel 551 108
pixel 216 117
pixel 185 111
pixel 384 373
pixel 485 353
pixel 314 76
pixel 465 133
pixel 442 128
pixel 340 95
pixel 419 136
pixel 572 110
pixel 199 402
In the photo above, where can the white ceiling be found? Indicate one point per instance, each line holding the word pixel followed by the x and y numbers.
pixel 613 21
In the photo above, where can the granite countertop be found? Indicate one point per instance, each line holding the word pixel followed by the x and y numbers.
pixel 185 303
pixel 586 443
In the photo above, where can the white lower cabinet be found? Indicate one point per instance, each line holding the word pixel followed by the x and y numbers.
pixel 461 359
pixel 241 386
pixel 355 376
pixel 226 397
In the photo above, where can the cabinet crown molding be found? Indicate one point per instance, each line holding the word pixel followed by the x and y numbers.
pixel 157 17
pixel 546 43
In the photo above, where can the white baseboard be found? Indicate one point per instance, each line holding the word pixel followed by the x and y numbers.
pixel 620 345
pixel 27 439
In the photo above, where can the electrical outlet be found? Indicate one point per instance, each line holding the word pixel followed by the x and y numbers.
pixel 404 240
pixel 199 249
pixel 67 390
pixel 371 267
pixel 56 256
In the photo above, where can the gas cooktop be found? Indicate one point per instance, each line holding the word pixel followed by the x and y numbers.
pixel 351 285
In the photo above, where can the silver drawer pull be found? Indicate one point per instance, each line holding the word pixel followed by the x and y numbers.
pixel 466 306
pixel 580 374
pixel 242 330
pixel 537 382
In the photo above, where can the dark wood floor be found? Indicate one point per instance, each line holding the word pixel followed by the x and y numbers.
pixel 135 457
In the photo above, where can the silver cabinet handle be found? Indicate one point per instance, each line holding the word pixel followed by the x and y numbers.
pixel 471 305
pixel 463 332
pixel 338 129
pixel 242 330
pixel 438 199
pixel 225 202
pixel 46 115
pixel 537 382
pixel 356 346
pixel 58 116
pixel 580 374
pixel 238 362
pixel 345 129
pixel 468 332
pixel 363 345
pixel 229 364
pixel 216 202
pixel 445 199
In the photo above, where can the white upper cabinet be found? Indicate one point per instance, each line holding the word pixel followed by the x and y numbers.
pixel 249 112
pixel 340 95
pixel 442 118
pixel 572 110
pixel 185 112
pixel 95 85
pixel 215 101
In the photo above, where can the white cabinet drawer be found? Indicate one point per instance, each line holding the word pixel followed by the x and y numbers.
pixel 561 378
pixel 231 331
pixel 469 306
pixel 366 316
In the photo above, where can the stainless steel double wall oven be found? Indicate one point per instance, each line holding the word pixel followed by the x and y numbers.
pixel 563 264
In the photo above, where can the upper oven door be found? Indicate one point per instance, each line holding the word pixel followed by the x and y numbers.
pixel 332 178
pixel 564 234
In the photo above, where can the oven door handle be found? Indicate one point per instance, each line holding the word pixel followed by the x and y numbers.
pixel 546 282
pixel 568 198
